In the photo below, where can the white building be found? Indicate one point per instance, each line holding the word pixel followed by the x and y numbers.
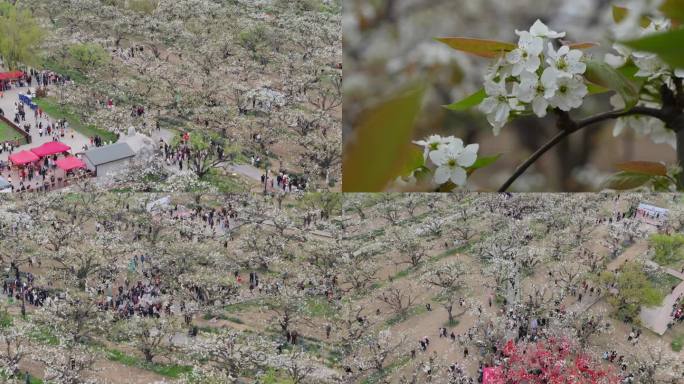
pixel 651 214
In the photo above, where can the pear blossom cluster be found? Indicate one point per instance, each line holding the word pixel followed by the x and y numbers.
pixel 533 77
pixel 449 158
pixel 656 72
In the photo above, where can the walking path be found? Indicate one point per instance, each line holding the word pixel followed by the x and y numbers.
pixel 77 141
pixel 7 104
pixel 657 318
pixel 653 318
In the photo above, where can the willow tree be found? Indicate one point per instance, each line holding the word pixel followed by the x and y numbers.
pixel 20 36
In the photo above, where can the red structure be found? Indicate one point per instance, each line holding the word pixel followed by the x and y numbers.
pixel 51 148
pixel 14 75
pixel 23 158
pixel 70 163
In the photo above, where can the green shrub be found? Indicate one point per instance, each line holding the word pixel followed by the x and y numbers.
pixel 667 248
pixel 87 56
pixel 677 343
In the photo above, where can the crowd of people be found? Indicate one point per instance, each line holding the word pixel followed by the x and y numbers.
pixel 677 312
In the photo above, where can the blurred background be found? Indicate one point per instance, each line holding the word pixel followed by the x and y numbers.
pixel 389 46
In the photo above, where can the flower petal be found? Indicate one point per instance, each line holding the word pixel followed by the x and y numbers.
pixel 439 156
pixel 539 106
pixel 467 157
pixel 442 175
pixel 459 176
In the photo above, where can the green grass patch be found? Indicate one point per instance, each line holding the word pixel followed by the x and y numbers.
pixel 413 311
pixel 168 370
pixel 274 377
pixel 209 330
pixel 450 252
pixel 402 274
pixel 225 183
pixel 44 335
pixel 234 319
pixel 6 319
pixel 451 323
pixel 50 106
pixel 677 343
pixel 319 307
pixel 8 133
pixel 243 306
pixel 22 377
pixel 379 376
pixel 334 357
pixel 664 282
pixel 221 316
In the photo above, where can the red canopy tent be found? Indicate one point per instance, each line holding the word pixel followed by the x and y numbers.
pixel 51 148
pixel 70 163
pixel 23 157
pixel 14 75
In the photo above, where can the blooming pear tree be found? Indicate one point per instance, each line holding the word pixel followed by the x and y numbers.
pixel 448 279
pixel 14 338
pixel 546 74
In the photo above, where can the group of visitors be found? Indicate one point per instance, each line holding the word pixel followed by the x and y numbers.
pixel 677 312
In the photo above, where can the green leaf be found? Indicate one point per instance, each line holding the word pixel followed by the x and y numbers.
pixel 414 160
pixel 482 162
pixel 423 174
pixel 626 180
pixel 602 74
pixel 379 149
pixel 643 167
pixel 469 102
pixel 662 184
pixel 668 46
pixel 596 89
pixel 478 47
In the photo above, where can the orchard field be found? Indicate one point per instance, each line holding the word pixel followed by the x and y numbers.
pixel 366 288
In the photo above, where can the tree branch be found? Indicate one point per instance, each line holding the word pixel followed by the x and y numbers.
pixel 568 127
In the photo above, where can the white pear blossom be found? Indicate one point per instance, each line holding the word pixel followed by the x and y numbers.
pixel 500 68
pixel 570 93
pixel 540 29
pixel 534 77
pixel 649 64
pixel 536 90
pixel 498 105
pixel 566 61
pixel 630 26
pixel 446 157
pixel 526 56
pixel 435 143
pixel 643 125
pixel 617 61
pixel 451 161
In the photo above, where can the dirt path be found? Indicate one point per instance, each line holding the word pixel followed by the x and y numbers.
pixel 106 371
